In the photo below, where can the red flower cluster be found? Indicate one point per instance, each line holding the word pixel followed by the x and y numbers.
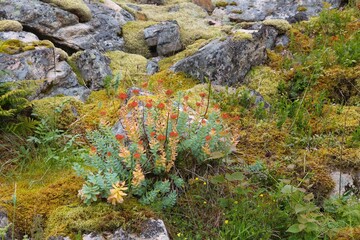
pixel 161 137
pixel 119 137
pixel 173 116
pixel 208 138
pixel 161 106
pixel 122 96
pixel 174 134
pixel 133 104
pixel 202 95
pixel 137 155
pixel 169 92
pixel 136 91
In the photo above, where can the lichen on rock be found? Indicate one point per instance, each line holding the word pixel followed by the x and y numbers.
pixel 10 25
pixel 77 7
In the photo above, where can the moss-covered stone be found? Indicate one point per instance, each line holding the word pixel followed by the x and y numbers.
pixel 77 7
pixel 264 80
pixel 133 33
pixel 14 46
pixel 280 24
pixel 10 25
pixel 130 67
pixel 59 111
pixel 241 35
pixel 100 217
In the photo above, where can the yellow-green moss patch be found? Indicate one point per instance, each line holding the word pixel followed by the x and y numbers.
pixel 77 7
pixel 14 46
pixel 133 33
pixel 100 217
pixel 10 25
pixel 60 111
pixel 241 35
pixel 131 67
pixel 170 80
pixel 280 24
pixel 264 80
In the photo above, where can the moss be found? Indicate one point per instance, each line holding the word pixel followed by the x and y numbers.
pixel 62 54
pixel 77 7
pixel 190 17
pixel 170 80
pixel 221 4
pixel 241 35
pixel 100 217
pixel 14 46
pixel 302 9
pixel 60 111
pixel 39 200
pixel 10 25
pixel 71 61
pixel 131 67
pixel 190 50
pixel 264 80
pixel 280 24
pixel 133 33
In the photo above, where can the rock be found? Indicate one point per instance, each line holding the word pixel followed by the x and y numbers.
pixel 77 7
pixel 10 25
pixel 93 67
pixel 59 238
pixel 207 5
pixel 156 2
pixel 92 236
pixel 38 64
pixel 22 36
pixel 152 66
pixel 298 18
pixel 5 230
pixel 65 29
pixel 164 37
pixel 226 62
pixel 282 41
pixel 258 10
pixel 345 181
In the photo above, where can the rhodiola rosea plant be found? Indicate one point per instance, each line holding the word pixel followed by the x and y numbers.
pixel 159 136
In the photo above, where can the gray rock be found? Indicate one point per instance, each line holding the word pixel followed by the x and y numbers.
pixel 59 238
pixel 22 36
pixel 282 41
pixel 39 64
pixel 94 67
pixel 164 37
pixel 258 10
pixel 156 2
pixel 345 181
pixel 152 66
pixel 64 28
pixel 227 62
pixel 5 226
pixel 93 236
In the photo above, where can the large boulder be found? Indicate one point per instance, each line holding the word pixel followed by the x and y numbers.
pixel 164 38
pixel 93 67
pixel 226 62
pixel 258 10
pixel 38 64
pixel 65 28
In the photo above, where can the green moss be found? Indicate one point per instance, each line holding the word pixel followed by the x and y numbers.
pixel 220 4
pixel 10 25
pixel 280 24
pixel 77 7
pixel 302 8
pixel 71 61
pixel 133 33
pixel 264 80
pixel 131 67
pixel 60 111
pixel 171 80
pixel 100 217
pixel 14 46
pixel 241 35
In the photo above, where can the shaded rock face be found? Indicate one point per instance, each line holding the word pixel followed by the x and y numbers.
pixel 348 181
pixel 227 62
pixel 94 67
pixel 39 64
pixel 64 28
pixel 5 231
pixel 258 10
pixel 163 38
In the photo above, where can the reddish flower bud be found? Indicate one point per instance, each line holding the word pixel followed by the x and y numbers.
pixel 198 104
pixel 122 96
pixel 152 134
pixel 202 95
pixel 186 98
pixel 136 91
pixel 137 155
pixel 93 149
pixel 102 113
pixel 148 105
pixel 161 137
pixel 145 85
pixel 225 115
pixel 133 104
pixel 161 106
pixel 119 137
pixel 174 134
pixel 169 92
pixel 216 106
pixel 108 153
pixel 174 116
pixel 208 138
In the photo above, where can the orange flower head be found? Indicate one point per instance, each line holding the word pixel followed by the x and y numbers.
pixel 186 98
pixel 119 137
pixel 122 96
pixel 133 104
pixel 161 137
pixel 136 91
pixel 174 116
pixel 102 113
pixel 148 105
pixel 216 106
pixel 93 149
pixel 174 134
pixel 108 154
pixel 145 85
pixel 137 155
pixel 161 106
pixel 208 138
pixel 169 92
pixel 152 134
pixel 202 95
pixel 225 116
pixel 198 104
